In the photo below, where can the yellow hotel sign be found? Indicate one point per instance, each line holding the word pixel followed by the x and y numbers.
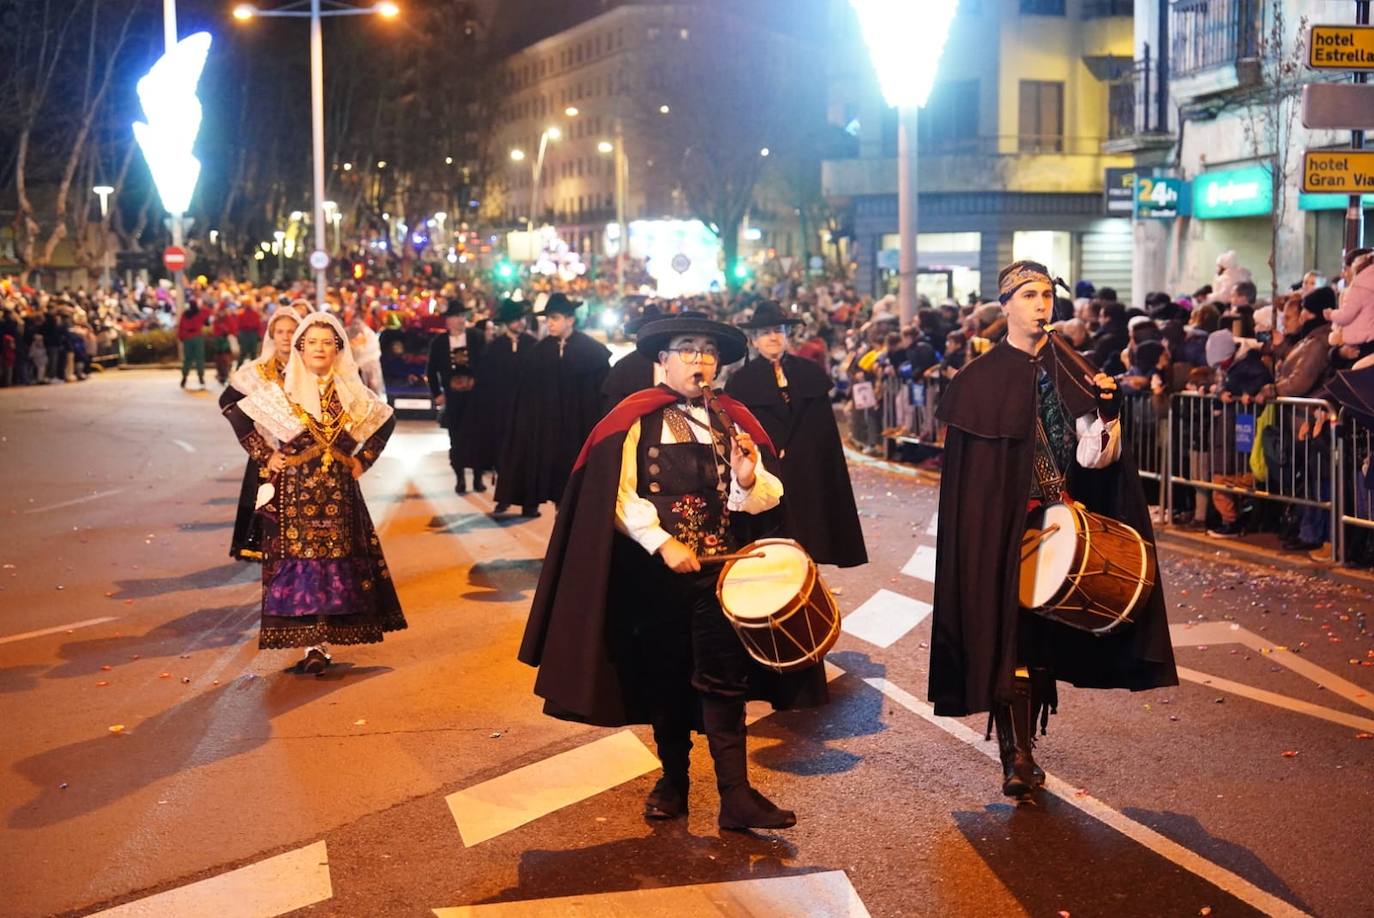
pixel 1340 47
pixel 1338 171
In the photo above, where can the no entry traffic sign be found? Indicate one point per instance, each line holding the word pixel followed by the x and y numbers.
pixel 174 258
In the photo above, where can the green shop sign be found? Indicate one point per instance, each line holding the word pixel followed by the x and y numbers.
pixel 1246 192
pixel 1331 201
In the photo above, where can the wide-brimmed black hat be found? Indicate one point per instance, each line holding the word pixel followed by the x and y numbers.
pixel 560 304
pixel 655 336
pixel 456 307
pixel 770 314
pixel 511 310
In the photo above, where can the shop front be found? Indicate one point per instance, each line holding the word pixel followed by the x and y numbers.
pixel 1232 210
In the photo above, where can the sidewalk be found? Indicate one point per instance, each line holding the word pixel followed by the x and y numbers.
pixel 1261 549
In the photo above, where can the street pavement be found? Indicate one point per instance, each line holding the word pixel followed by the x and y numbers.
pixel 419 776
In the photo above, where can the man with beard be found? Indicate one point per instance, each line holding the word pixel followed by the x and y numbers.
pixel 504 363
pixel 558 402
pixel 791 398
pixel 452 371
pixel 626 626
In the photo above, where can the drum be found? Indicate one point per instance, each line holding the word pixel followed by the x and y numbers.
pixel 778 605
pixel 1083 569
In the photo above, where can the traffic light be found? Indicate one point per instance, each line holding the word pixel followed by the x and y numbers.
pixel 359 269
pixel 505 270
pixel 741 271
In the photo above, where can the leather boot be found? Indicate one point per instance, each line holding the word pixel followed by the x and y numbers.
pixel 741 806
pixel 1020 774
pixel 668 799
pixel 478 485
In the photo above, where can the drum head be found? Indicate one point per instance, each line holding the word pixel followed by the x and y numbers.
pixel 1054 559
pixel 755 588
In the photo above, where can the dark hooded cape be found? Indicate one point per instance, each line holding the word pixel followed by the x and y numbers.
pixel 630 374
pixel 559 402
pixel 580 632
pixel 246 542
pixel 979 633
pixel 817 507
pixel 487 421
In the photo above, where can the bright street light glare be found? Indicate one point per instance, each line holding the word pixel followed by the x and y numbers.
pixel 381 164
pixel 168 96
pixel 517 155
pixel 605 147
pixel 387 10
pixel 103 189
pixel 765 151
pixel 554 133
pixel 348 167
pixel 572 111
pixel 243 12
pixel 448 160
pixel 905 41
pixel 663 109
pixel 329 205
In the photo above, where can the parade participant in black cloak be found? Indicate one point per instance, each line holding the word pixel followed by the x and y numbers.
pixel 634 371
pixel 454 358
pixel 791 398
pixel 987 654
pixel 625 626
pixel 558 403
pixel 487 420
pixel 268 369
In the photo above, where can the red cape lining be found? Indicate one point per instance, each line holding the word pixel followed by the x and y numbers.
pixel 634 407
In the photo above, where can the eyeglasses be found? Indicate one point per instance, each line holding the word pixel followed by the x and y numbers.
pixel 695 355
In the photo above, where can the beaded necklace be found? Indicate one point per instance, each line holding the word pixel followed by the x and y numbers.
pixel 327 429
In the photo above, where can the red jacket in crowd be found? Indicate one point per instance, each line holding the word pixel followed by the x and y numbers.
pixel 226 323
pixel 191 325
pixel 250 321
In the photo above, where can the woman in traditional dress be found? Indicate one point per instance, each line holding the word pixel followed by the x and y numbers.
pixel 324 579
pixel 267 370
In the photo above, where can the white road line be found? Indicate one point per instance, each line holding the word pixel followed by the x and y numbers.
pixel 184 445
pixel 922 564
pixel 1215 874
pixel 268 888
pixel 1212 633
pixel 74 501
pixel 885 618
pixel 829 893
pixel 934 526
pixel 1277 700
pixel 494 807
pixel 11 638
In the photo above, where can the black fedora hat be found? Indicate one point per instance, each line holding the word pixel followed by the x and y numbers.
pixel 770 314
pixel 456 307
pixel 511 310
pixel 558 303
pixel 655 336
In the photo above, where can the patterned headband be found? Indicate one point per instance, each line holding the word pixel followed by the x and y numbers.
pixel 1015 280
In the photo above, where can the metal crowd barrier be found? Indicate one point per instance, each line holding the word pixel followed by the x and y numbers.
pixel 909 411
pixel 1356 498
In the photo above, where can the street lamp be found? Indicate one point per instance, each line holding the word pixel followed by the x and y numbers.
pixel 549 133
pixel 905 41
pixel 104 192
pixel 311 8
pixel 332 215
pixel 281 249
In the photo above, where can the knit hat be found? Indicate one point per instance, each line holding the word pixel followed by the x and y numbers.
pixel 1221 347
pixel 1147 355
pixel 1323 298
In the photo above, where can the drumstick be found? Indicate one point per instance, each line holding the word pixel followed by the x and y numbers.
pixel 738 556
pixel 1036 537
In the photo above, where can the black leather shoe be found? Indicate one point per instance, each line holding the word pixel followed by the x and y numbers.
pixel 742 807
pixel 531 511
pixel 460 488
pixel 668 800
pixel 500 508
pixel 478 485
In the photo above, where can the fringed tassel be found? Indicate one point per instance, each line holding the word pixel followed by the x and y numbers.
pixel 1044 697
pixel 987 734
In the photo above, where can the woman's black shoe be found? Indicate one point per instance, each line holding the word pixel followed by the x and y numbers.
pixel 315 663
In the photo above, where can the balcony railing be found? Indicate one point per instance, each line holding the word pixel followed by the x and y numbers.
pixel 1212 33
pixel 1102 9
pixel 1137 104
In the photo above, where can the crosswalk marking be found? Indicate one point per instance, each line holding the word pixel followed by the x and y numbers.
pixel 885 618
pixel 934 526
pixel 922 564
pixel 59 629
pixel 1215 874
pixel 828 894
pixel 1279 701
pixel 268 888
pixel 494 807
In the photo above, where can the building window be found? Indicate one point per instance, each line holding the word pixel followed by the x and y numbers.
pixel 950 118
pixel 1041 128
pixel 1042 7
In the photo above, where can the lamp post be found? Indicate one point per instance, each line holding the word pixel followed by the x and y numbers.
pixel 297 10
pixel 104 192
pixel 905 41
pixel 549 133
pixel 332 215
pixel 281 252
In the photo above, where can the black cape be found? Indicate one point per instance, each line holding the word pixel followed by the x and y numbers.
pixel 439 372
pixel 630 374
pixel 246 542
pixel 580 631
pixel 978 628
pixel 487 421
pixel 558 403
pixel 818 507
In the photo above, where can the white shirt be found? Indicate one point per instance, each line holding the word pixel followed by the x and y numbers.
pixel 637 517
pixel 1099 442
pixel 457 341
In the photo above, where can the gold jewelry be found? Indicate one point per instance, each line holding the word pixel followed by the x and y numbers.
pixel 328 428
